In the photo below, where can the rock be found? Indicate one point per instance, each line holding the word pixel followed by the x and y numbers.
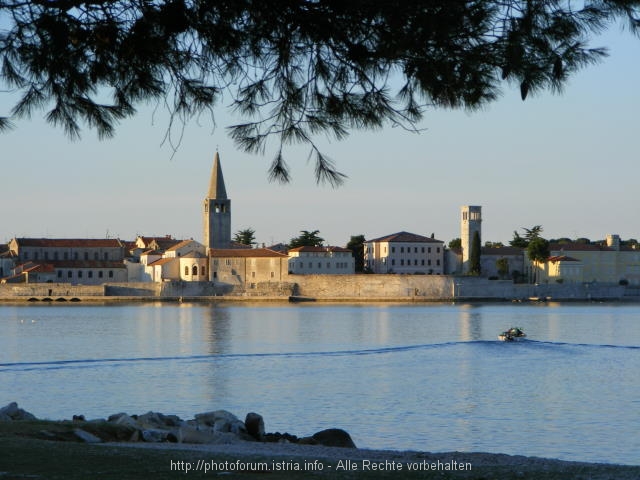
pixel 123 419
pixel 10 410
pixel 332 437
pixel 154 435
pixel 13 412
pixel 86 437
pixel 210 418
pixel 254 424
pixel 280 438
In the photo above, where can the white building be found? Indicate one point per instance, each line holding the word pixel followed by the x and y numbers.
pixel 321 260
pixel 404 252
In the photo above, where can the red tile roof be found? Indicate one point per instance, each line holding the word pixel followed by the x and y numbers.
pixel 405 237
pixel 70 242
pixel 579 247
pixel 319 249
pixel 245 253
pixel 562 258
pixel 502 251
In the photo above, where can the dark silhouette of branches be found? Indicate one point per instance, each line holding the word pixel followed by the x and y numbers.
pixel 292 69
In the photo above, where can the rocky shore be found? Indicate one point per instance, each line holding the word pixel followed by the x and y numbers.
pixel 218 427
pixel 221 435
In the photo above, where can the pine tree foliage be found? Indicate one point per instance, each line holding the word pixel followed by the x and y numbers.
pixel 291 69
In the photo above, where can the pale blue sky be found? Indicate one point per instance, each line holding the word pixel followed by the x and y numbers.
pixel 567 162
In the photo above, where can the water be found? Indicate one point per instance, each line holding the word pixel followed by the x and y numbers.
pixel 421 377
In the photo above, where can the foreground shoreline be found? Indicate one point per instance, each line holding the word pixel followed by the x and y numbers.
pixel 51 449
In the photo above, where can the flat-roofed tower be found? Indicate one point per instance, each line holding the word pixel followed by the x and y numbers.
pixel 470 223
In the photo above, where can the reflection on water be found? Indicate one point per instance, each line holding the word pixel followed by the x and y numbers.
pixel 426 377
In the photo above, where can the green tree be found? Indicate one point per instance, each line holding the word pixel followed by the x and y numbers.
pixel 518 241
pixel 474 255
pixel 493 244
pixel 538 250
pixel 292 72
pixel 356 245
pixel 307 239
pixel 456 243
pixel 532 233
pixel 502 266
pixel 245 237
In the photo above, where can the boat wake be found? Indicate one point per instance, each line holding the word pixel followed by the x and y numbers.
pixel 115 362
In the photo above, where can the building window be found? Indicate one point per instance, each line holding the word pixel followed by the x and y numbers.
pixel 402 261
pixel 203 270
pixel 227 261
pixel 194 270
pixel 422 250
pixel 66 255
pixel 438 250
pixel 393 249
pixel 273 274
pixel 215 274
pixel 90 274
pixel 96 256
pixel 106 256
pixel 415 262
pixel 186 271
pixel 26 255
pixel 438 262
pixel 46 255
pixel 393 261
pixel 401 249
pixel 86 255
pixel 79 273
pixel 253 274
pixel 35 255
pixel 415 249
pixel 110 273
pixel 75 255
pixel 55 255
pixel 59 273
pixel 100 274
pixel 69 274
pixel 422 263
pixel 429 250
pixel 429 262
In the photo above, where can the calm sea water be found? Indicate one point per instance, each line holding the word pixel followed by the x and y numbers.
pixel 425 377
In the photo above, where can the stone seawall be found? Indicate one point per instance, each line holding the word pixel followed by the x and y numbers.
pixel 436 287
pixel 413 288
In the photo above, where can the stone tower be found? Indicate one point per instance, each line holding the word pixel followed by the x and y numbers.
pixel 216 212
pixel 470 222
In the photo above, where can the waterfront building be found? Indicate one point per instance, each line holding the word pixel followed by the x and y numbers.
pixel 404 252
pixel 309 260
pixel 240 267
pixel 610 262
pixel 77 261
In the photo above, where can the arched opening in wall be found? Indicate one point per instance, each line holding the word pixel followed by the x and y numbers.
pixel 194 270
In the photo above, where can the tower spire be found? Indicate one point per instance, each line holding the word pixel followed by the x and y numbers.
pixel 216 213
pixel 217 189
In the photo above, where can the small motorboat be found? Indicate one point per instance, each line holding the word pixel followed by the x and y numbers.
pixel 512 335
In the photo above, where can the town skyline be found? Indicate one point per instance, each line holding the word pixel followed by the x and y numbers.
pixel 566 162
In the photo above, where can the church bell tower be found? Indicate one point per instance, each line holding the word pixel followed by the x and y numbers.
pixel 470 224
pixel 216 211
